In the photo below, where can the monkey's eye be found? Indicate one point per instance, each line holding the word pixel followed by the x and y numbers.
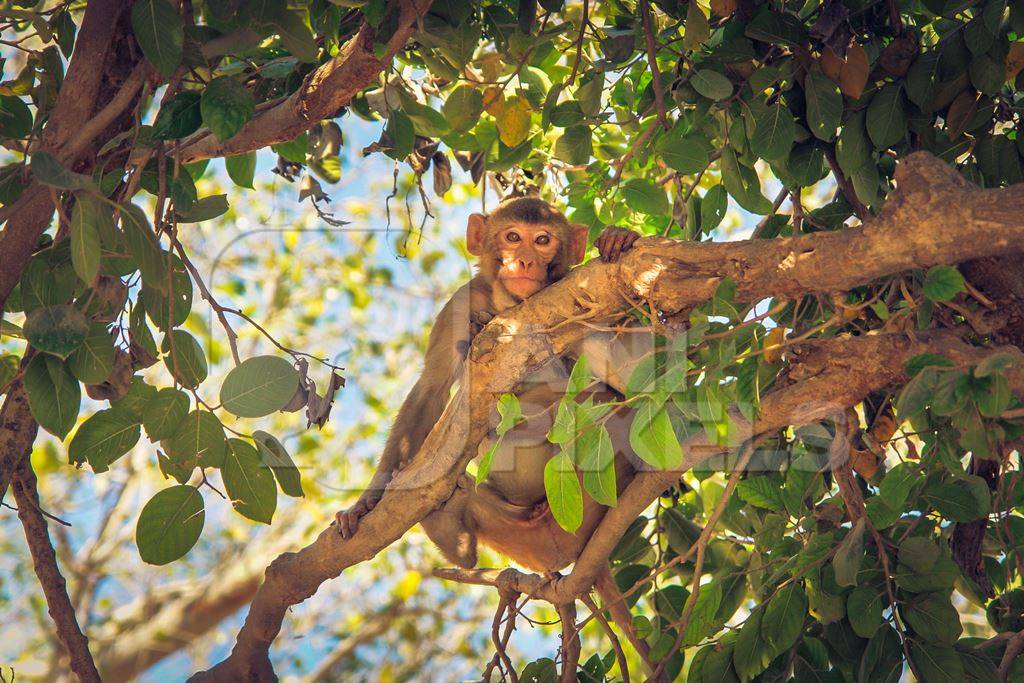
pixel 543 239
pixel 512 236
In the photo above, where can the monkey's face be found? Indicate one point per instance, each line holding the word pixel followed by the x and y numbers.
pixel 524 253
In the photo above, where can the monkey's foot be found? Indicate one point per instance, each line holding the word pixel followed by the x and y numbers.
pixel 348 520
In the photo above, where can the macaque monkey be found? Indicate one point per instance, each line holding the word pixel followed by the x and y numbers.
pixel 522 247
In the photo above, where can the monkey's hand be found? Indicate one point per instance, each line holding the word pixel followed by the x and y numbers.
pixel 348 520
pixel 614 242
pixel 477 321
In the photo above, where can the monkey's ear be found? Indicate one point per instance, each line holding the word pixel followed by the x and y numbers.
pixel 476 233
pixel 578 244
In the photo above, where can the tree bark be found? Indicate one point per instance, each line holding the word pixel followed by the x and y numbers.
pixel 322 94
pixel 933 217
pixel 44 561
pixel 101 62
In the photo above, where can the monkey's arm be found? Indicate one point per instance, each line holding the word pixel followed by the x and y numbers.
pixel 442 365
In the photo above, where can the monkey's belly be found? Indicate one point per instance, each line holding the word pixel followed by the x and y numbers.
pixel 517 469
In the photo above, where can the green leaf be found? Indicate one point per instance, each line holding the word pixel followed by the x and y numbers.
pixel 204 209
pixel 54 396
pixel 713 207
pixel 103 438
pixel 249 483
pixel 511 413
pixel 864 609
pixel 164 413
pixel 702 614
pixel 93 361
pixel 58 330
pixel 687 154
pixel 711 84
pixel 274 455
pixel 917 393
pixel 743 184
pixel 15 117
pixel 463 107
pixel 652 437
pixel 942 283
pixel 933 618
pixel 294 150
pixel 646 197
pixel 85 241
pixel 887 117
pixel 936 664
pixel 598 465
pixel 259 386
pixel 964 499
pixel 400 131
pixel 997 362
pixel 923 360
pixel 919 553
pixel 751 653
pixel 185 359
pixel 170 524
pixel 296 35
pixel 241 168
pixel 160 32
pixel 144 248
pixel 575 146
pixel 824 105
pixel 762 491
pixel 566 114
pixel 774 131
pixel 47 170
pixel 783 620
pixel 882 661
pixel 896 484
pixel 565 497
pixel 179 117
pixel 199 439
pixel 847 559
pixel 226 106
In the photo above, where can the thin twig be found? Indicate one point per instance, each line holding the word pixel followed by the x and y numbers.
pixel 652 61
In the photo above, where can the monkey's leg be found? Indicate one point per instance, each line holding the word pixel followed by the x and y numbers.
pixel 613 601
pixel 450 527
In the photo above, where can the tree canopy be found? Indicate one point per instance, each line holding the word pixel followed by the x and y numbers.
pixel 830 411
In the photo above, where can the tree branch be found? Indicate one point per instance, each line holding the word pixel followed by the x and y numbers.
pixel 323 92
pixel 44 561
pixel 933 217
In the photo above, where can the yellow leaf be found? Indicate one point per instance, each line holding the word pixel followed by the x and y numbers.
pixel 773 344
pixel 854 74
pixel 514 121
pixel 697 28
pixel 494 100
pixel 1014 60
pixel 831 64
pixel 723 8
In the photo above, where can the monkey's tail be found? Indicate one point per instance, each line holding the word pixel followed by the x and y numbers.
pixel 613 601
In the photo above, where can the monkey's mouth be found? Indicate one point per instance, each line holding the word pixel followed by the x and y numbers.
pixel 522 286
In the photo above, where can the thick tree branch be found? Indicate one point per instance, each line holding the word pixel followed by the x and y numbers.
pixel 324 91
pixel 164 622
pixel 44 561
pixel 932 217
pixel 95 75
pixel 825 378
